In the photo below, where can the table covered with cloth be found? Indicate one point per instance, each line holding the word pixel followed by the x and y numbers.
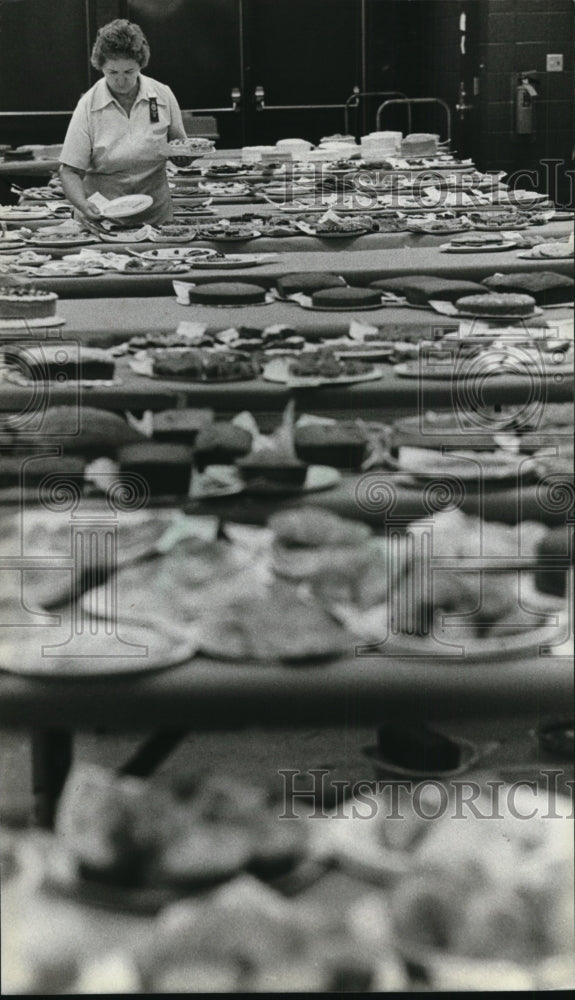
pixel 358 266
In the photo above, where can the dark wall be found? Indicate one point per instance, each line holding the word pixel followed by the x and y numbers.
pixel 516 35
pixel 398 58
pixel 43 54
pixel 312 52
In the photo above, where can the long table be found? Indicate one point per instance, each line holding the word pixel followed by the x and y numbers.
pixel 358 266
pixel 210 694
pixel 390 393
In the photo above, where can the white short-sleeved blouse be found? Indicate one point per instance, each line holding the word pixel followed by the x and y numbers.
pixel 125 154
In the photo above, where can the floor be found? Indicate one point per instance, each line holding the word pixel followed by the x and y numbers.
pixel 507 746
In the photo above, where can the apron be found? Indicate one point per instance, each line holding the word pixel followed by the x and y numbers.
pixel 128 156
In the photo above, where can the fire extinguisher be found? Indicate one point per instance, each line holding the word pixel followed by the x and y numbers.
pixel 524 106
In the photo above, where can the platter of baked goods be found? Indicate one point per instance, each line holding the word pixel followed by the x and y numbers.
pixel 198 209
pixel 264 475
pixel 187 254
pixel 495 221
pixel 438 225
pixel 141 234
pixel 498 306
pixel 228 231
pixel 21 213
pixel 322 367
pixel 231 261
pixel 334 228
pixel 222 293
pixel 480 243
pixel 473 467
pixel 56 361
pixel 552 249
pixel 222 191
pixel 173 232
pixel 327 292
pixel 183 152
pixel 194 364
pixel 61 240
pixel 126 843
pixel 426 896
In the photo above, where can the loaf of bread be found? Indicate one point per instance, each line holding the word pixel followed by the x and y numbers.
pixel 419 289
pixel 346 298
pixel 546 287
pixel 308 282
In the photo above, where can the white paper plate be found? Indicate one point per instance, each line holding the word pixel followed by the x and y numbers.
pixel 448 309
pixel 222 238
pixel 278 371
pixel 501 645
pixel 63 241
pixel 501 316
pixel 483 248
pixel 130 236
pixel 486 228
pixel 175 253
pixel 380 353
pixel 232 261
pixel 16 213
pixel 131 648
pixel 470 754
pixel 430 231
pixel 318 477
pixel 126 205
pixel 413 369
pixel 306 303
pixel 527 197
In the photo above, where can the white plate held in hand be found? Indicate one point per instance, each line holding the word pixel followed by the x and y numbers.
pixel 127 205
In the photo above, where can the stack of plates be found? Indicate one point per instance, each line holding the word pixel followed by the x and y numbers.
pixel 253 154
pixel 379 145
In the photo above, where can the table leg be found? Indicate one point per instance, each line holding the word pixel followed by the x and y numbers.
pixel 152 752
pixel 52 751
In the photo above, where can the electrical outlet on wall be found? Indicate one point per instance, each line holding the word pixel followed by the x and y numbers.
pixel 554 63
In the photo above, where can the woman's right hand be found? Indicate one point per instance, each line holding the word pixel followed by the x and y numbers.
pixel 91 212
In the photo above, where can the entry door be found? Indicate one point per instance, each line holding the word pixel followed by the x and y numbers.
pixel 466 129
pixel 302 61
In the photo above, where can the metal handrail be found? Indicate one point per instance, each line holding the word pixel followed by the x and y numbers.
pixel 259 98
pixel 236 96
pixel 356 95
pixel 416 100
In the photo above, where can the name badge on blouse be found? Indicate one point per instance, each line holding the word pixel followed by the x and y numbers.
pixel 154 116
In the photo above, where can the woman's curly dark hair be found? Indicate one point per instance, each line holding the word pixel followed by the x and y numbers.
pixel 120 40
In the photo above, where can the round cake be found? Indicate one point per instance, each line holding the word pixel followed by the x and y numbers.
pixel 497 304
pixel 24 302
pixel 227 293
pixel 341 298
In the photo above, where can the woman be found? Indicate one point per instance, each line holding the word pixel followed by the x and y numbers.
pixel 116 140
